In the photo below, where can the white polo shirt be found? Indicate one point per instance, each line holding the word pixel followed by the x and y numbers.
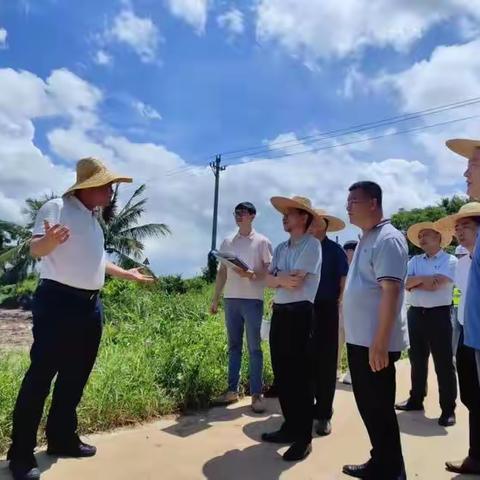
pixel 461 281
pixel 80 261
pixel 256 251
pixel 440 264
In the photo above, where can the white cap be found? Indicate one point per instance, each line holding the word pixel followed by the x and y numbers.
pixel 460 250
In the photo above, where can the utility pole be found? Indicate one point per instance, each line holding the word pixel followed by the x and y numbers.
pixel 217 168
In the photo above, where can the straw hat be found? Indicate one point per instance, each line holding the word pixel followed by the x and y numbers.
pixel 282 204
pixel 414 231
pixel 334 224
pixel 93 173
pixel 471 209
pixel 462 146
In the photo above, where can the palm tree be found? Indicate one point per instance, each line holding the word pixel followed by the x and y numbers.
pixel 123 236
pixel 16 241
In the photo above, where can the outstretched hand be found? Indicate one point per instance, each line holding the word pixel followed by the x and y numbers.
pixel 137 276
pixel 56 234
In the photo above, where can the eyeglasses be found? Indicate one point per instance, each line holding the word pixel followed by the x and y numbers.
pixel 241 213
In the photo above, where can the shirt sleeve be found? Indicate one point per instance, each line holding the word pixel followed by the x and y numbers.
pixel 274 262
pixel 49 211
pixel 390 260
pixel 342 262
pixel 310 260
pixel 266 252
pixel 450 268
pixel 411 267
pixel 223 247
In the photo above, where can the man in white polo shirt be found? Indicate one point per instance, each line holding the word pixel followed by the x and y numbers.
pixel 376 333
pixel 244 292
pixel 430 283
pixel 67 317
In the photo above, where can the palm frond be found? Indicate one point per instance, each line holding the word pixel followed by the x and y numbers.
pixel 148 230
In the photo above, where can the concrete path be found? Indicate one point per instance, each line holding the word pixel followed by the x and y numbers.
pixel 224 444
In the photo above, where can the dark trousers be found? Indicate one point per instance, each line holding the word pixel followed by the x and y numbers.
pixel 468 379
pixel 66 335
pixel 290 334
pixel 375 397
pixel 430 330
pixel 324 356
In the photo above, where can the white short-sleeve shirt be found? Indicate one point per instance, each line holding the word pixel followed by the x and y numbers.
pixel 80 261
pixel 256 251
pixel 440 264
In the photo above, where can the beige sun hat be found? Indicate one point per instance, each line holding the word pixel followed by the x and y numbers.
pixel 463 146
pixel 471 209
pixel 446 233
pixel 92 173
pixel 282 204
pixel 334 224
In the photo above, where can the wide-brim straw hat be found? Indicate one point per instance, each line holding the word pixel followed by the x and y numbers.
pixel 463 146
pixel 471 209
pixel 446 233
pixel 334 224
pixel 92 173
pixel 282 204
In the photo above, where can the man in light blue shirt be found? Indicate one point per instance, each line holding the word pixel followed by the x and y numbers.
pixel 468 354
pixel 430 283
pixel 375 331
pixel 295 275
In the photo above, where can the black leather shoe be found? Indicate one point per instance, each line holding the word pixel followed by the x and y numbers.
pixel 26 469
pixel 447 420
pixel 74 449
pixel 357 471
pixel 409 406
pixel 323 427
pixel 280 436
pixel 298 451
pixel 468 466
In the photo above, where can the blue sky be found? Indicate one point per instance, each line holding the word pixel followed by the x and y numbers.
pixel 154 86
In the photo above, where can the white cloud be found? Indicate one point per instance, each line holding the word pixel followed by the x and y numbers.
pixel 180 194
pixel 451 74
pixel 3 38
pixel 146 111
pixel 140 34
pixel 232 21
pixel 103 58
pixel 194 12
pixel 322 29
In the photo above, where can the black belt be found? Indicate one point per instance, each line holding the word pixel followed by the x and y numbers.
pixel 61 287
pixel 430 309
pixel 292 306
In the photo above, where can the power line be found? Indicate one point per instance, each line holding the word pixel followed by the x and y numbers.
pixel 350 130
pixel 363 140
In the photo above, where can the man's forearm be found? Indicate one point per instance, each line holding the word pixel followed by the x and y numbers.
pixel 117 272
pixel 388 310
pixel 413 281
pixel 41 247
pixel 220 282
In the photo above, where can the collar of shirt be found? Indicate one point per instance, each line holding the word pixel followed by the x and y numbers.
pixel 79 204
pixel 295 243
pixel 249 236
pixel 433 257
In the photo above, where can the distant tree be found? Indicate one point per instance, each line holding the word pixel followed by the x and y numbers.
pixel 404 219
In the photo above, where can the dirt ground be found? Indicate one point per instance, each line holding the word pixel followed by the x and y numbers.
pixel 15 329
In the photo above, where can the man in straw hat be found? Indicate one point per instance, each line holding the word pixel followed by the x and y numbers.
pixel 468 353
pixel 430 283
pixel 376 333
pixel 67 316
pixel 294 274
pixel 325 325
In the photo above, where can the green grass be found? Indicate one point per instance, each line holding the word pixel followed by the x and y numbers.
pixel 161 353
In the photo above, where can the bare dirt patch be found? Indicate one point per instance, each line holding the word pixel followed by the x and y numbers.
pixel 15 329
